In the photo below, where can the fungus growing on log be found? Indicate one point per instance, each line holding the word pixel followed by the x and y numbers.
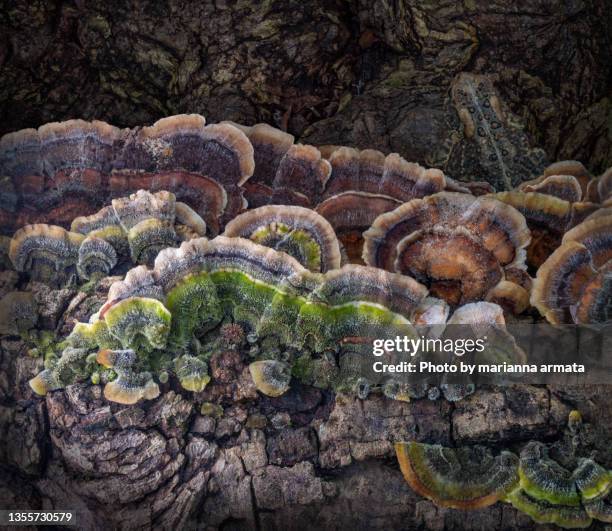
pixel 46 253
pixel 162 314
pixel 550 493
pixel 457 245
pixel 72 168
pixel 574 284
pixel 132 229
pixel 300 232
pixel 570 495
pixel 371 172
pixel 463 478
pixel 351 214
pixel 271 377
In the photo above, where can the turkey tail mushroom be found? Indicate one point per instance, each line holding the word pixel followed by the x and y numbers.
pixel 575 282
pixel 456 244
pixel 462 478
pixel 46 253
pixel 300 232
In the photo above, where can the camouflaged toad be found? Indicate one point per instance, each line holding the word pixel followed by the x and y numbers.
pixel 493 146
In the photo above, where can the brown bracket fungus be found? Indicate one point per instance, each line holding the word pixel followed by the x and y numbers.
pixel 573 168
pixel 351 214
pixel 71 168
pixel 301 171
pixel 269 146
pixel 456 244
pixel 548 218
pixel 575 282
pixel 564 187
pixel 371 172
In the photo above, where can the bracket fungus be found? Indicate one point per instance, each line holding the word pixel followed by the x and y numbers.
pixel 298 231
pixel 192 372
pixel 574 284
pixel 285 173
pixel 58 169
pixel 269 146
pixel 551 493
pixel 571 168
pixel 130 387
pixel 458 245
pixel 463 478
pixel 371 172
pixel 46 253
pixel 599 190
pixel 351 214
pixel 271 377
pixel 72 168
pixel 70 367
pixel 565 187
pixel 96 257
pixel 185 142
pixel 133 229
pixel 139 323
pixel 570 494
pixel 130 384
pixel 548 218
pixel 302 172
pixel 296 318
pixel 159 314
pixel 203 194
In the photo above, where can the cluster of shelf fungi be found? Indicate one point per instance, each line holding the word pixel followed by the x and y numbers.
pixel 302 253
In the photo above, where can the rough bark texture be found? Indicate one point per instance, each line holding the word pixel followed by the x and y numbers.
pixel 308 459
pixel 380 74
